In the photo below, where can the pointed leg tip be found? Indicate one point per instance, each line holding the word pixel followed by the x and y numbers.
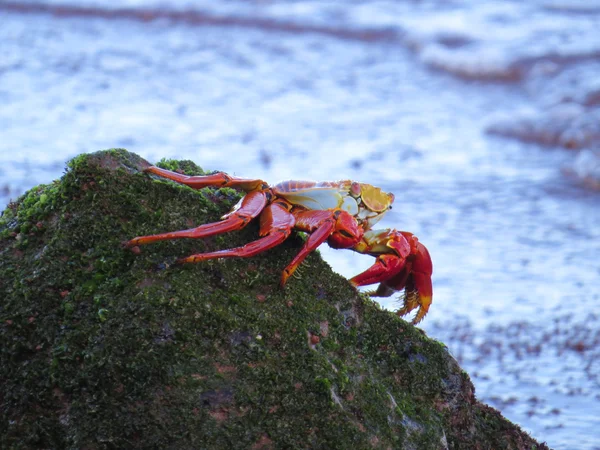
pixel 285 276
pixel 424 303
pixel 182 261
pixel 131 245
pixel 195 259
pixel 417 319
pixel 402 312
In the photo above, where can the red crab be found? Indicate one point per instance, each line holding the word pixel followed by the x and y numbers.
pixel 341 213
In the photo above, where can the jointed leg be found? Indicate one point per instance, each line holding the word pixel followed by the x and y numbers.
pixel 315 239
pixel 322 225
pixel 248 250
pixel 250 207
pixel 219 179
pixel 418 293
pixel 276 226
pixel 403 263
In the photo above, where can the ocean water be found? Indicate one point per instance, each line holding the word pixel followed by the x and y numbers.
pixel 482 117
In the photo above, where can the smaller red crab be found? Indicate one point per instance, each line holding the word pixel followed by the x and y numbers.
pixel 341 213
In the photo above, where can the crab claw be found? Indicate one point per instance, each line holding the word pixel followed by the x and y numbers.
pixel 403 263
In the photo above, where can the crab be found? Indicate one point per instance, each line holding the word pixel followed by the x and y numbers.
pixel 342 213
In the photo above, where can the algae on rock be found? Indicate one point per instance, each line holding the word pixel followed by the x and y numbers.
pixel 108 348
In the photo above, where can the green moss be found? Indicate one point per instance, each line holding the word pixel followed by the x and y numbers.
pixel 186 166
pixel 106 348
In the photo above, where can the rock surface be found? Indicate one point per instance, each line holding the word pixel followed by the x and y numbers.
pixel 109 348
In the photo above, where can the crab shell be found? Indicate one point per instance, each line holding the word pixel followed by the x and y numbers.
pixel 365 202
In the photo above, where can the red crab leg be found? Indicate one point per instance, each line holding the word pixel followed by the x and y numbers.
pixel 320 225
pixel 419 289
pixel 338 227
pixel 276 223
pixel 402 263
pixel 415 279
pixel 249 207
pixel 219 179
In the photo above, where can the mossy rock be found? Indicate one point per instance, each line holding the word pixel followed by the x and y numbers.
pixel 104 347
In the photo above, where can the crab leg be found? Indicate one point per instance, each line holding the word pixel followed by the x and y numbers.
pixel 402 263
pixel 220 179
pixel 320 225
pixel 418 294
pixel 276 224
pixel 247 209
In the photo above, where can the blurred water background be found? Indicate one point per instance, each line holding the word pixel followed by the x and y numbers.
pixel 483 117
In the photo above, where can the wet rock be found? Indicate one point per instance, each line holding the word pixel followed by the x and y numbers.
pixel 185 362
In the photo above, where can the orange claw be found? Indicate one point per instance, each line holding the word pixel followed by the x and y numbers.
pixel 403 263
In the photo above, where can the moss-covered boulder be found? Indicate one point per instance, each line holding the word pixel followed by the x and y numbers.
pixel 103 347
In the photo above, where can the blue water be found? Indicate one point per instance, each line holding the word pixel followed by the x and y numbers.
pixel 482 117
